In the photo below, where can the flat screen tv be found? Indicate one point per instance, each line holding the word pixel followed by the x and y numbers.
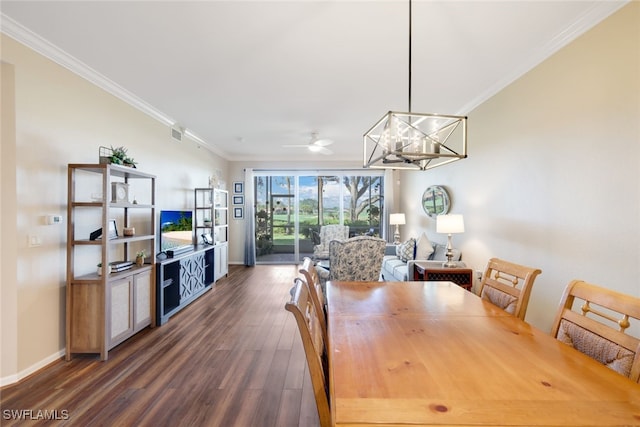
pixel 176 229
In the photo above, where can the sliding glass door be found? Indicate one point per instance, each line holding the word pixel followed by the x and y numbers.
pixel 291 208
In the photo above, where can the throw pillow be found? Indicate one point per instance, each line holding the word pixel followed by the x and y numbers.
pixel 407 249
pixel 440 253
pixel 424 247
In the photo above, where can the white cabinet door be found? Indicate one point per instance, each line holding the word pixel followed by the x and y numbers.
pixel 141 300
pixel 129 307
pixel 220 261
pixel 224 260
pixel 121 325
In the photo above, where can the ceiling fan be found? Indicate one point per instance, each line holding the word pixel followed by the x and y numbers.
pixel 316 145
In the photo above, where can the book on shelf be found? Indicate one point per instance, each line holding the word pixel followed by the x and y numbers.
pixel 120 263
pixel 117 266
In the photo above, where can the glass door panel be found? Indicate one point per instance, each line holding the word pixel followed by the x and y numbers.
pixel 275 219
pixel 308 218
pixel 291 209
pixel 329 202
pixel 363 205
pixel 283 226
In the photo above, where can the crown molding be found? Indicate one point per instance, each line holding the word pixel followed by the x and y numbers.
pixel 590 18
pixel 32 40
pixel 45 48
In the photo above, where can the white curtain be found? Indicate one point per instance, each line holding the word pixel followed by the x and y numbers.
pixel 250 218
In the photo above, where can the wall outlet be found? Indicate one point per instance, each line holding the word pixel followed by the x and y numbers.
pixel 34 241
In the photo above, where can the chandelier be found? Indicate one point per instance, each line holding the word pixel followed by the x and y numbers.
pixel 407 140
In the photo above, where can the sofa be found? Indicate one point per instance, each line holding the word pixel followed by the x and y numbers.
pixel 399 260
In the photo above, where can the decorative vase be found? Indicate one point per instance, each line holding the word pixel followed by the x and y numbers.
pixel 140 261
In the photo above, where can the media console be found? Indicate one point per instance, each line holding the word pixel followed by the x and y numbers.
pixel 173 252
pixel 182 279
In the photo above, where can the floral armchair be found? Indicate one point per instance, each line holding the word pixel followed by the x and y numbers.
pixel 358 259
pixel 327 234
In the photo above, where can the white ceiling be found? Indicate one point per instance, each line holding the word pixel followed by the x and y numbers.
pixel 250 76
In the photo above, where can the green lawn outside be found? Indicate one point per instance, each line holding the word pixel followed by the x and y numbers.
pixel 306 221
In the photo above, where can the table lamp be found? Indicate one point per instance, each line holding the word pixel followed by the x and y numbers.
pixel 396 219
pixel 449 224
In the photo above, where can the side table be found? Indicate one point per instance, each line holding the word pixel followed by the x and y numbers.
pixel 461 276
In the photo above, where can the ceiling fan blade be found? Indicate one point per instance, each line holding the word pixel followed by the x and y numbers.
pixel 321 150
pixel 322 142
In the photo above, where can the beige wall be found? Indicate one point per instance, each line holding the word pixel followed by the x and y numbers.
pixel 61 118
pixel 8 209
pixel 553 177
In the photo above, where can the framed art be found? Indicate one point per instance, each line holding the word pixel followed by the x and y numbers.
pixel 113 229
pixel 238 213
pixel 112 232
pixel 238 187
pixel 238 200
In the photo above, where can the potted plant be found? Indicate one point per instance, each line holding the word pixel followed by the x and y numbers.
pixel 140 258
pixel 119 156
pixel 108 270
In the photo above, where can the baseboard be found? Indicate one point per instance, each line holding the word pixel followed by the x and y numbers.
pixel 11 379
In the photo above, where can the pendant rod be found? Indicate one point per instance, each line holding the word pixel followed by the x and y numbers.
pixel 410 20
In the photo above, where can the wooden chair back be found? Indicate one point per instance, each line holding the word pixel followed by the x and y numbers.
pixel 308 322
pixel 310 274
pixel 508 285
pixel 594 320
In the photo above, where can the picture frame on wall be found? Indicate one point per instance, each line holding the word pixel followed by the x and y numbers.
pixel 238 213
pixel 238 200
pixel 238 187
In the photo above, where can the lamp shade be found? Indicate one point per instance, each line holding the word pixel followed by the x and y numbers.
pixel 397 219
pixel 449 224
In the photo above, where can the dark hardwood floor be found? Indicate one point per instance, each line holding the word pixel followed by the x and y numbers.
pixel 232 358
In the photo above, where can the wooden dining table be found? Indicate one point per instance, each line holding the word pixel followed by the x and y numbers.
pixel 431 353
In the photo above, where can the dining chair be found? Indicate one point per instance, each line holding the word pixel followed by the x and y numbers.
pixel 310 274
pixel 602 336
pixel 308 322
pixel 508 285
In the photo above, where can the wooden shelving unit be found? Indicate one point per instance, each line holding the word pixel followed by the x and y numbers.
pixel 104 310
pixel 203 221
pixel 212 218
pixel 220 233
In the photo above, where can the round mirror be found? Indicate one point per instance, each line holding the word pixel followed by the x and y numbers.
pixel 435 201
